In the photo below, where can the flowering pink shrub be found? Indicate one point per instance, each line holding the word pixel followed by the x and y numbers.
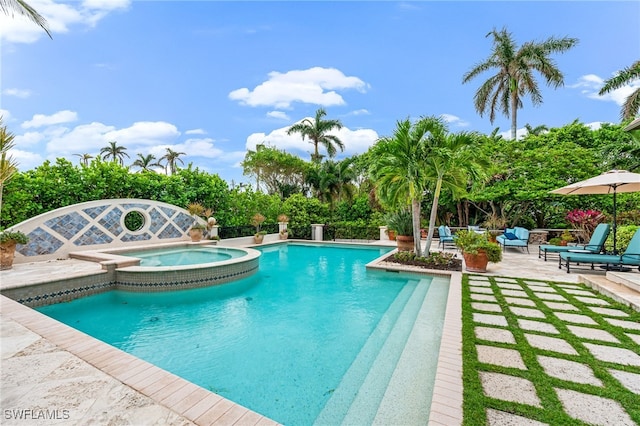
pixel 585 221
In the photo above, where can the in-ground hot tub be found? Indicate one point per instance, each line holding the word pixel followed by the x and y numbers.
pixel 175 266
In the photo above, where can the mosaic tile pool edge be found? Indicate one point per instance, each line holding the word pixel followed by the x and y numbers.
pixel 68 289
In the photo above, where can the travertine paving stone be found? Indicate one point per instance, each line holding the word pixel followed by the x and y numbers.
pixel 559 306
pixel 479 278
pixel 480 283
pixel 592 301
pixel 527 312
pixel 483 297
pixel 593 409
pixel 541 289
pixel 576 318
pixel 539 283
pixel 500 418
pixel 579 292
pixel 520 301
pixel 490 307
pixel 494 334
pixel 613 354
pixel 634 337
pixel 506 280
pixel 543 327
pixel 514 293
pixel 592 333
pixel 483 290
pixel 570 285
pixel 550 296
pixel 490 319
pixel 629 380
pixel 509 388
pixel 500 356
pixel 550 344
pixel 629 325
pixel 570 371
pixel 610 312
pixel 509 286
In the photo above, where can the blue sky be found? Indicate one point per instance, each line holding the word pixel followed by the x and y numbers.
pixel 212 79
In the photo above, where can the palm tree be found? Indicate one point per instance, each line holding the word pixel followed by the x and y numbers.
pixel 115 152
pixel 172 157
pixel 514 77
pixel 145 162
pixel 631 105
pixel 84 158
pixel 538 130
pixel 332 181
pixel 451 161
pixel 398 168
pixel 8 164
pixel 11 7
pixel 317 131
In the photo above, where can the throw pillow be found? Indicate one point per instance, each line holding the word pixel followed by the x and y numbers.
pixel 510 236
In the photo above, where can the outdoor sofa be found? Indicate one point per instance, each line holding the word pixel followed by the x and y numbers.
pixel 445 236
pixel 514 237
pixel 595 244
pixel 630 257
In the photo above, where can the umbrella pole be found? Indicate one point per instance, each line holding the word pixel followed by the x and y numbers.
pixel 615 223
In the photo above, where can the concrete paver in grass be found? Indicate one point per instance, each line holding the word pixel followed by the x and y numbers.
pixel 544 327
pixel 592 333
pixel 570 371
pixel 484 297
pixel 593 409
pixel 634 337
pixel 489 307
pixel 503 357
pixel 629 380
pixel 592 300
pixel 548 343
pixel 527 312
pixel 495 334
pixel 630 325
pixel 490 319
pixel 613 354
pixel 509 388
pixel 509 286
pixel 560 306
pixel 609 312
pixel 576 318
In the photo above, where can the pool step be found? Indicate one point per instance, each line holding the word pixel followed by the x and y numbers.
pixel 407 400
pixel 338 405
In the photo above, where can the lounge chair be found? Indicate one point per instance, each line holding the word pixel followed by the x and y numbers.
pixel 445 236
pixel 514 237
pixel 630 257
pixel 595 245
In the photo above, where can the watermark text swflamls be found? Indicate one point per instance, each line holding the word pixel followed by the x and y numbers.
pixel 35 414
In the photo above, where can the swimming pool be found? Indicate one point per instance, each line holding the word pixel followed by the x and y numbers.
pixel 295 342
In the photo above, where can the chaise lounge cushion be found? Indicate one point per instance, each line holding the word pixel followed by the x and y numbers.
pixel 595 244
pixel 631 256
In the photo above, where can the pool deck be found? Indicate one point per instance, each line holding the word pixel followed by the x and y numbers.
pixel 54 374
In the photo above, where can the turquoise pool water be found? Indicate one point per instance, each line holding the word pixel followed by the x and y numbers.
pixel 279 342
pixel 185 256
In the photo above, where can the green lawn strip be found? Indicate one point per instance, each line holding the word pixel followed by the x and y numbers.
pixel 475 402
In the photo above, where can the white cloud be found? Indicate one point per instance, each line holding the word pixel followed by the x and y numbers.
pixel 590 85
pixel 278 114
pixel 144 133
pixel 359 112
pixel 312 86
pixel 28 139
pixel 5 114
pixel 60 17
pixel 18 93
pixel 355 141
pixel 40 120
pixel 195 132
pixel 454 120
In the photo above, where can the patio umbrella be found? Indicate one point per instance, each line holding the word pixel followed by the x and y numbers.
pixel 613 181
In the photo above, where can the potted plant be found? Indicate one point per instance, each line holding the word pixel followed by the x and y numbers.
pixel 196 231
pixel 477 250
pixel 256 221
pixel 402 222
pixel 494 225
pixel 566 237
pixel 285 233
pixel 8 241
pixel 555 241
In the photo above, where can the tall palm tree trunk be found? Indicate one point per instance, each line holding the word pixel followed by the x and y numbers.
pixel 434 212
pixel 514 115
pixel 415 210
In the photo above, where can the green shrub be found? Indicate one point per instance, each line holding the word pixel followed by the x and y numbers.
pixel 471 242
pixel 623 236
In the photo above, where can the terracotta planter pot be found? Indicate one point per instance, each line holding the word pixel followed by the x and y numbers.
pixel 405 243
pixel 563 243
pixel 476 262
pixel 195 234
pixel 7 254
pixel 257 239
pixel 284 236
pixel 392 235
